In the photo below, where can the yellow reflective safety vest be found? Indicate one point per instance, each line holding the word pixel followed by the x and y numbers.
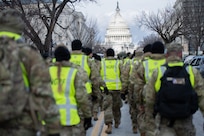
pixel 162 69
pixel 65 99
pixel 150 65
pixel 10 35
pixel 82 60
pixel 110 73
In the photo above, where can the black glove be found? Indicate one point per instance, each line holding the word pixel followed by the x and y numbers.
pixel 54 135
pixel 93 98
pixel 122 95
pixel 87 123
pixel 106 91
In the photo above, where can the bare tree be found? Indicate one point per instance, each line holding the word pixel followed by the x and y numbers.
pixel 46 12
pixel 166 23
pixel 193 18
pixel 149 39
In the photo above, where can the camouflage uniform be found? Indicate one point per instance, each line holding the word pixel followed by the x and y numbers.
pixel 183 127
pixel 94 76
pixel 133 109
pixel 39 84
pixel 112 102
pixel 138 79
pixel 81 97
pixel 96 94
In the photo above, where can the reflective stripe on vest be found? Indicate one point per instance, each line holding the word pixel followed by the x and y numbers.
pixel 162 69
pixel 65 98
pixel 111 74
pixel 150 65
pixel 82 60
pixel 10 35
pixel 25 77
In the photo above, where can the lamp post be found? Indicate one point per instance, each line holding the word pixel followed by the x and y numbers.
pixel 189 45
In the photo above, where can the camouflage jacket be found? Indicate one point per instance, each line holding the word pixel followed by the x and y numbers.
pixel 138 78
pixel 39 85
pixel 151 93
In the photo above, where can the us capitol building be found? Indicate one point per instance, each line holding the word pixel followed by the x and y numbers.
pixel 118 34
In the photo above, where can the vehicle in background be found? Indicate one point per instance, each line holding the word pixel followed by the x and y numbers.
pixel 197 61
pixel 188 59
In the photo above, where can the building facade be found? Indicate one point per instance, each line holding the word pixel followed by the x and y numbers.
pixel 118 34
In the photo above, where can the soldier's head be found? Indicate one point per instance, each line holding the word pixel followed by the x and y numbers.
pixel 76 45
pixel 10 21
pixel 174 49
pixel 62 53
pixel 157 48
pixel 88 51
pixel 110 52
pixel 147 48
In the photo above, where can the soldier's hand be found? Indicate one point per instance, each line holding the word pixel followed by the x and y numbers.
pixel 106 91
pixel 122 95
pixel 54 135
pixel 93 97
pixel 87 123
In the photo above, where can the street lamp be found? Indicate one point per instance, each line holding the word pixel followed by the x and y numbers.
pixel 189 45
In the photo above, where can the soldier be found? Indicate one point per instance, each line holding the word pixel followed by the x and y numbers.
pixel 41 105
pixel 79 58
pixel 111 74
pixel 181 127
pixel 140 77
pixel 68 86
pixel 136 59
pixel 96 95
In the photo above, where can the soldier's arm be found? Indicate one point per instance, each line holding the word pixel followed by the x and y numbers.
pixel 150 95
pixel 96 78
pixel 125 72
pixel 39 82
pixel 139 82
pixel 199 88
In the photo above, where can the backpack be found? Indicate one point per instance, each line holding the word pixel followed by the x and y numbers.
pixel 176 98
pixel 13 96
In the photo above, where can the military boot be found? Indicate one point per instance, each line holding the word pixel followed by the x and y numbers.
pixel 134 129
pixel 109 129
pixel 95 117
pixel 117 124
pixel 142 134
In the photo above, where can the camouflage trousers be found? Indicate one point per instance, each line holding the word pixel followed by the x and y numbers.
pixel 182 127
pixel 111 105
pixel 96 103
pixel 133 111
pixel 146 124
pixel 72 131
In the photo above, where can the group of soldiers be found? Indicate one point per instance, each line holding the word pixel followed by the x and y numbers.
pixel 62 95
pixel 144 83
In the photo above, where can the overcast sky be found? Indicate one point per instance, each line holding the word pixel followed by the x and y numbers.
pixel 129 9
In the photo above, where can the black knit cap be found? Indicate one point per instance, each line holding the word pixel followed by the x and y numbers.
pixel 147 48
pixel 76 45
pixel 110 52
pixel 158 47
pixel 62 53
pixel 88 51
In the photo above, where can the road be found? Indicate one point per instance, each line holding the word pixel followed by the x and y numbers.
pixel 125 128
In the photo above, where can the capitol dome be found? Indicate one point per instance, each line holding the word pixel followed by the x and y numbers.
pixel 118 34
